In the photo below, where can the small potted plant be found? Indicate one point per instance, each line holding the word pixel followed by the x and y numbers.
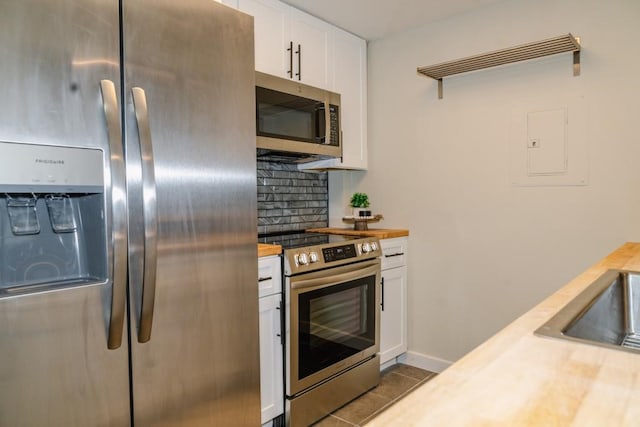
pixel 360 203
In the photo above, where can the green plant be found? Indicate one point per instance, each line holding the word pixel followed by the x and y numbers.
pixel 359 200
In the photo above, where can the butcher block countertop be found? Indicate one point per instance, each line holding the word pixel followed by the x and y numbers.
pixel 380 233
pixel 266 249
pixel 519 379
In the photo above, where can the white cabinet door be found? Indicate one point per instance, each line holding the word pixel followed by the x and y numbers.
pixel 272 35
pixel 271 375
pixel 290 43
pixel 350 80
pixel 393 318
pixel 312 49
pixel 349 71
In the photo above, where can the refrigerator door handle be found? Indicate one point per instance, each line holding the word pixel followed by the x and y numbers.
pixel 149 214
pixel 117 199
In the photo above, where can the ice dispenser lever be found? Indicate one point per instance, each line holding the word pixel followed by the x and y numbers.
pixel 61 213
pixel 22 214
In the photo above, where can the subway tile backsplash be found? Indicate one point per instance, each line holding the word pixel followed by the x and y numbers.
pixel 289 199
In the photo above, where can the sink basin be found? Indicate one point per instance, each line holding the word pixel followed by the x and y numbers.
pixel 606 313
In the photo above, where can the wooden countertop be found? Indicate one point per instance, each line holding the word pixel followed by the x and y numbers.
pixel 380 233
pixel 266 249
pixel 518 379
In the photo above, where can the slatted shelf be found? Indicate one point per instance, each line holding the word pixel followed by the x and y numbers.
pixel 538 49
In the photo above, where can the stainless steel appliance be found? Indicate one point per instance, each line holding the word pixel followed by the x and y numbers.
pixel 296 122
pixel 127 214
pixel 332 322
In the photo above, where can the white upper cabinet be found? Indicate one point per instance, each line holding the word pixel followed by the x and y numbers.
pixel 294 45
pixel 350 80
pixel 290 43
pixel 348 73
pixel 271 26
pixel 311 39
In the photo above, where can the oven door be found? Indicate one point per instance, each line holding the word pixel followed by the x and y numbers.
pixel 333 322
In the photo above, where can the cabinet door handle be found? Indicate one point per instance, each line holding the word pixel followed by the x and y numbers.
pixel 281 334
pixel 290 50
pixel 382 295
pixel 299 53
pixel 264 279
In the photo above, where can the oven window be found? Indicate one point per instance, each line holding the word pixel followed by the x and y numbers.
pixel 334 323
pixel 280 115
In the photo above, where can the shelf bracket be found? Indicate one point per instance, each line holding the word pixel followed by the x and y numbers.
pixel 553 46
pixel 576 59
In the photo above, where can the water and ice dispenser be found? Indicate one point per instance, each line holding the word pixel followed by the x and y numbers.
pixel 52 217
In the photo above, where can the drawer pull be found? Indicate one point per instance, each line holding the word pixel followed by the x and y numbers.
pixel 264 279
pixel 392 255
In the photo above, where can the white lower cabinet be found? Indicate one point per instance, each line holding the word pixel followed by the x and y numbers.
pixel 271 348
pixel 393 307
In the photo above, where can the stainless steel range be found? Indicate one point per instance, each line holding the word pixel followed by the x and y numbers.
pixel 332 321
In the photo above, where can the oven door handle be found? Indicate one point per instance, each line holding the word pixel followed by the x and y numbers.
pixel 364 269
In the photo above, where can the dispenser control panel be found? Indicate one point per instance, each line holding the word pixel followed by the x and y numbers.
pixel 38 168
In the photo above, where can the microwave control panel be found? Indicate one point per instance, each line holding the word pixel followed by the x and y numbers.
pixel 334 117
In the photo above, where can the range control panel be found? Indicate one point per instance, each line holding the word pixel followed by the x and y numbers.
pixel 339 252
pixel 305 259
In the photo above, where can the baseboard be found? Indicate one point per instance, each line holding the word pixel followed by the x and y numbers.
pixel 423 361
pixel 388 364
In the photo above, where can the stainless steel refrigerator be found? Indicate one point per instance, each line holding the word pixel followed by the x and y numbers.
pixel 127 214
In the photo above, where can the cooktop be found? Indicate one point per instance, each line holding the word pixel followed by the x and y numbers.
pixel 298 239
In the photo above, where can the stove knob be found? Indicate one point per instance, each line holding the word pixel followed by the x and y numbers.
pixel 303 259
pixel 374 246
pixel 313 257
pixel 366 248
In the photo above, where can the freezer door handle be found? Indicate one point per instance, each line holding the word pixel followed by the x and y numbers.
pixel 149 214
pixel 117 199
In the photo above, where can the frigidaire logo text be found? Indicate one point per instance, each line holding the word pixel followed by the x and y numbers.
pixel 50 161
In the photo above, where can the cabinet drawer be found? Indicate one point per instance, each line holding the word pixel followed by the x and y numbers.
pixel 394 252
pixel 269 277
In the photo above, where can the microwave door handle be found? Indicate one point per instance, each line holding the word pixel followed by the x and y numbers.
pixel 321 113
pixel 327 124
pixel 116 196
pixel 149 215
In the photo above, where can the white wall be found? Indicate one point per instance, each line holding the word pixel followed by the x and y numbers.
pixel 482 250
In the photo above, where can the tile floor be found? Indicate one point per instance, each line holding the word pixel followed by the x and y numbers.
pixel 395 382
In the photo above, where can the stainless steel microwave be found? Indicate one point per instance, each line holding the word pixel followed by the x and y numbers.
pixel 296 122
